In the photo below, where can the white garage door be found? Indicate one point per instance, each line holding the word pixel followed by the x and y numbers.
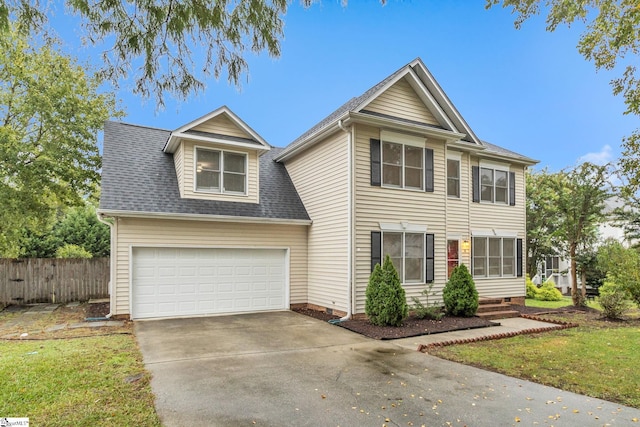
pixel 171 282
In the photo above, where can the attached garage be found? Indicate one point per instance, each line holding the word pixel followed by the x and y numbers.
pixel 172 282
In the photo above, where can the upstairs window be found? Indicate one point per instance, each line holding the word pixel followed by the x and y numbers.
pixel 493 185
pixel 402 166
pixel 221 171
pixel 453 178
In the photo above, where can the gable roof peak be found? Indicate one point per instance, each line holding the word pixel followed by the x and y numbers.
pixel 188 130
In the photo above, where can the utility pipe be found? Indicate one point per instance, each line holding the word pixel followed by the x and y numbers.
pixel 349 132
pixel 111 260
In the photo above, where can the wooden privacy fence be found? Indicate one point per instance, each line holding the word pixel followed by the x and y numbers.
pixel 59 280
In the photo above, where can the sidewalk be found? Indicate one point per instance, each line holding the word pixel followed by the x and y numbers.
pixel 508 327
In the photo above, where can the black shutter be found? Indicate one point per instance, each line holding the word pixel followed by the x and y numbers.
pixel 519 258
pixel 512 188
pixel 374 146
pixel 428 169
pixel 475 183
pixel 430 258
pixel 376 249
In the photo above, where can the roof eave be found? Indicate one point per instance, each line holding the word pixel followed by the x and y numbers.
pixel 400 124
pixel 312 139
pixel 114 213
pixel 177 137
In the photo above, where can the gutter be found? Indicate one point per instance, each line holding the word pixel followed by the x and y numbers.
pixel 111 260
pixel 350 269
pixel 202 217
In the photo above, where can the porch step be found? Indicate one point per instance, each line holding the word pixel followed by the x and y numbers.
pixel 494 308
pixel 493 315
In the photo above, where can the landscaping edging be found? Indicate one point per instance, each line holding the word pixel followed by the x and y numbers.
pixel 424 348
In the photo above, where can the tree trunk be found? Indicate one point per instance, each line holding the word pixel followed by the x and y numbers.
pixel 583 278
pixel 574 277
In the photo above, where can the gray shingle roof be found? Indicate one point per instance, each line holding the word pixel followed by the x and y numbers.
pixel 492 148
pixel 138 176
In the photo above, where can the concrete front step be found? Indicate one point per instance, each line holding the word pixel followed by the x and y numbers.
pixel 502 314
pixel 484 308
pixel 490 301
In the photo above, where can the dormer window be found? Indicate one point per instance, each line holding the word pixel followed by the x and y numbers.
pixel 221 171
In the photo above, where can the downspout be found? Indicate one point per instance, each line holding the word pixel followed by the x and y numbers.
pixel 111 261
pixel 350 287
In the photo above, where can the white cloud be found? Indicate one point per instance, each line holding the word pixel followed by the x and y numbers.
pixel 601 158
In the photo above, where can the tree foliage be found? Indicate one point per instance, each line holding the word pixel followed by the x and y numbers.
pixel 50 115
pixel 78 226
pixel 542 219
pixel 162 42
pixel 72 251
pixel 622 266
pixel 612 41
pixel 581 193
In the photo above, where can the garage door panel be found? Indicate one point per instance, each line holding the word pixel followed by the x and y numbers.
pixel 188 281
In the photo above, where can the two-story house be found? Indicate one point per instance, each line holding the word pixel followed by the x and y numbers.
pixel 211 219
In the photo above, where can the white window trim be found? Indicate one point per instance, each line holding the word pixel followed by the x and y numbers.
pixel 221 191
pixel 423 273
pixel 486 257
pixel 402 227
pixel 402 138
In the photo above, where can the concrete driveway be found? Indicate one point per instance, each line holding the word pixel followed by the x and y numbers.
pixel 286 369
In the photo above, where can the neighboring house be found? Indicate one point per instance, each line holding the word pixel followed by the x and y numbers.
pixel 210 219
pixel 556 268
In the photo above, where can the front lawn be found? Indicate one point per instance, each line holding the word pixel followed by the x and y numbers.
pixel 72 382
pixel 72 376
pixel 598 359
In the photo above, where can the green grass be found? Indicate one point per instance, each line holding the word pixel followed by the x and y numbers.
pixel 76 382
pixel 598 359
pixel 565 301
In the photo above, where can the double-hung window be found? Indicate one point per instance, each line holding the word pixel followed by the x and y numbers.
pixel 494 256
pixel 221 171
pixel 402 166
pixel 407 253
pixel 494 185
pixel 453 178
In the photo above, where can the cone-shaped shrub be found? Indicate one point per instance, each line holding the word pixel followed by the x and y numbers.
pixel 386 303
pixel 459 294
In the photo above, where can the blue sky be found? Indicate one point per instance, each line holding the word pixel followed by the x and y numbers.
pixel 526 90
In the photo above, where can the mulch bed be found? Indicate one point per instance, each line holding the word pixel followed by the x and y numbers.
pixel 97 310
pixel 411 327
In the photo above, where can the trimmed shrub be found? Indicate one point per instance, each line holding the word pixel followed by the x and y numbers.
pixel 427 310
pixel 532 289
pixel 614 300
pixel 386 302
pixel 72 251
pixel 459 294
pixel 548 292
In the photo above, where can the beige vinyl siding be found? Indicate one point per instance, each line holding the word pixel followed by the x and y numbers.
pixel 502 218
pixel 374 205
pixel 178 160
pixel 320 176
pixel 222 125
pixel 189 174
pixel 400 100
pixel 458 208
pixel 185 233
